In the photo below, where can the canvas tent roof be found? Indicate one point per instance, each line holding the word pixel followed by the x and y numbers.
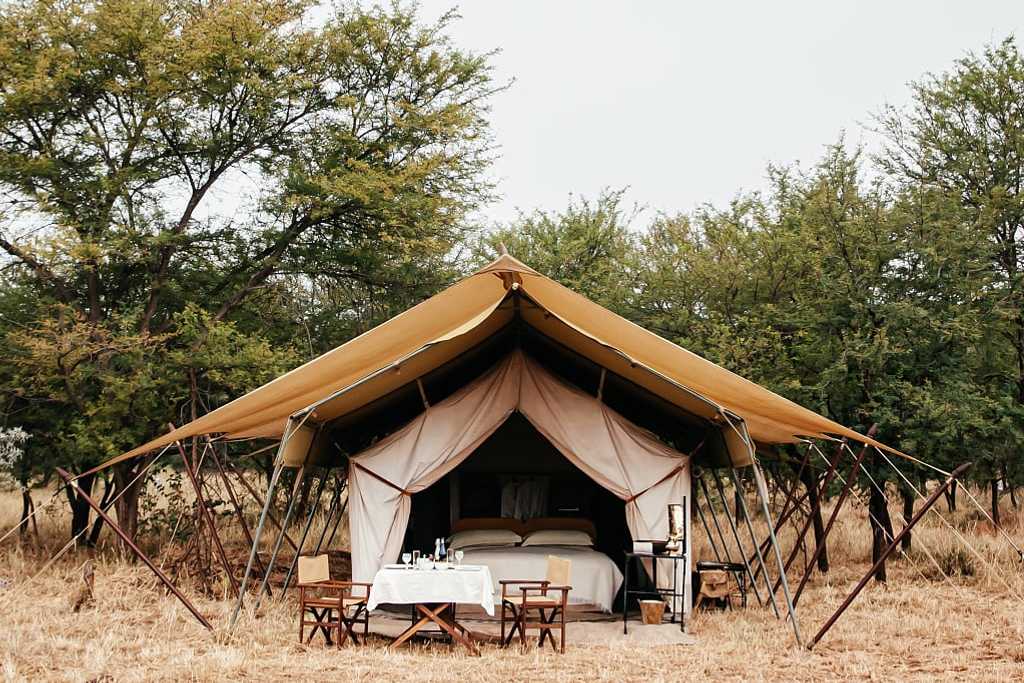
pixel 464 315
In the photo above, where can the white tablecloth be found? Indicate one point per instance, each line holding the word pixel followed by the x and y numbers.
pixel 470 585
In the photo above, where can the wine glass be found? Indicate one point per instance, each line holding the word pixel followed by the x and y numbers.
pixel 459 554
pixel 406 557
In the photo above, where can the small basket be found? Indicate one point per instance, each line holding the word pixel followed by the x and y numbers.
pixel 651 611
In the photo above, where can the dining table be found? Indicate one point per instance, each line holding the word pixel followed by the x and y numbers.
pixel 434 591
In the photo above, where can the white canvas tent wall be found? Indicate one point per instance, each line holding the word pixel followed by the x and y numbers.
pixel 623 458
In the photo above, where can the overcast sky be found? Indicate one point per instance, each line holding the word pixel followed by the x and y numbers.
pixel 687 102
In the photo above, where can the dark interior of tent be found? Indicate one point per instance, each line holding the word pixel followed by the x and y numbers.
pixel 517 452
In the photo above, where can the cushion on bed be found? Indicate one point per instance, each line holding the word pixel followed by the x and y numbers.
pixel 575 523
pixel 471 523
pixel 472 538
pixel 558 537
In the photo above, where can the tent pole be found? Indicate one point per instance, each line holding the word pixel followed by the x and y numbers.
pixel 335 497
pixel 231 496
pixel 736 534
pixel 830 475
pixel 341 514
pixel 305 531
pixel 888 551
pixel 70 481
pixel 300 475
pixel 205 514
pixel 289 429
pixel 847 488
pixel 753 539
pixel 704 523
pixel 762 492
pixel 271 517
pixel 274 479
pixel 714 517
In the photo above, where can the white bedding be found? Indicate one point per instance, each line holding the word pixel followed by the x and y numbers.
pixel 594 577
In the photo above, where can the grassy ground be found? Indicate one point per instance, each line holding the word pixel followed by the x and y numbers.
pixel 919 627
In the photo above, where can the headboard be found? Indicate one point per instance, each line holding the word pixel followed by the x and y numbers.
pixel 573 523
pixel 471 523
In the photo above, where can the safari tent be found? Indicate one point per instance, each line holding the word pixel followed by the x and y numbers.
pixel 504 375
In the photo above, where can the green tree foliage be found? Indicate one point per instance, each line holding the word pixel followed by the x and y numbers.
pixel 186 182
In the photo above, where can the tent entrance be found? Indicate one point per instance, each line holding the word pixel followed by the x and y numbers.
pixel 517 473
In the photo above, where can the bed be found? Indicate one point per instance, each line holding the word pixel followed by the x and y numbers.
pixel 595 577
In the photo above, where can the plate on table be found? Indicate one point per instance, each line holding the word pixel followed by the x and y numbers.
pixel 396 566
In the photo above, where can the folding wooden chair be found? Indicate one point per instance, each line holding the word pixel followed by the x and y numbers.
pixel 534 596
pixel 328 605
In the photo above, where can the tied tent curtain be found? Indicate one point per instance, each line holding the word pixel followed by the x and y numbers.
pixel 620 456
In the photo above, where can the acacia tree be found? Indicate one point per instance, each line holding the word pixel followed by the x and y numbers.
pixel 173 168
pixel 962 139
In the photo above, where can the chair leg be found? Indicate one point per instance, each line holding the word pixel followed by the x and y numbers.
pixel 561 640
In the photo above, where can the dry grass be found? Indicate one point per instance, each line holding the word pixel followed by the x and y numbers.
pixel 916 629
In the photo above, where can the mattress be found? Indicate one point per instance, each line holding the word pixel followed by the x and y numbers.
pixel 594 577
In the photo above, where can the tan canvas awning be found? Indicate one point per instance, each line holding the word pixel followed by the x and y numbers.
pixel 455 320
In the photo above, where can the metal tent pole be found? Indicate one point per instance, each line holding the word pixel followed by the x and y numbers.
pixel 305 531
pixel 704 523
pixel 714 518
pixel 274 478
pixel 239 512
pixel 762 492
pixel 736 535
pixel 335 497
pixel 289 430
pixel 300 475
pixel 753 539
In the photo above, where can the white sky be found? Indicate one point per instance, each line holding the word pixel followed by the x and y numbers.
pixel 687 102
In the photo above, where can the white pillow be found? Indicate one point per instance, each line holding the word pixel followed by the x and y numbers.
pixel 558 537
pixel 478 537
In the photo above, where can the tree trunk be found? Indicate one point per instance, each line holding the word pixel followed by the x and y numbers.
pixel 1013 495
pixel 97 525
pixel 810 483
pixel 79 508
pixel 881 525
pixel 994 484
pixel 908 512
pixel 129 487
pixel 951 497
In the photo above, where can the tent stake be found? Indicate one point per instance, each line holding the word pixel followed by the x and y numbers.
pixel 753 539
pixel 762 492
pixel 207 518
pixel 888 551
pixel 736 534
pixel 299 477
pixel 843 495
pixel 305 531
pixel 69 481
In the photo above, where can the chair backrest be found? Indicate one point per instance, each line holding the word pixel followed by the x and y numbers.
pixel 313 569
pixel 559 570
pixel 714 583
